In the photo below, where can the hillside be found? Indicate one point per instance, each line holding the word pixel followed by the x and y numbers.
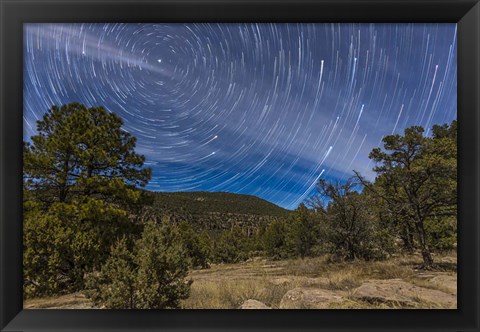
pixel 216 210
pixel 202 202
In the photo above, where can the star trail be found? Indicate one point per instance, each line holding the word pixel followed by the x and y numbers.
pixel 259 109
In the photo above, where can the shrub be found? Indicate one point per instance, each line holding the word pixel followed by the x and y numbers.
pixel 68 240
pixel 354 232
pixel 116 281
pixel 152 277
pixel 197 244
pixel 231 247
pixel 278 241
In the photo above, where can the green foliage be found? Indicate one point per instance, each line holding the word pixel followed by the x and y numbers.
pixel 153 276
pixel 352 230
pixel 82 151
pixel 299 235
pixel 214 211
pixel 115 285
pixel 417 178
pixel 67 241
pixel 80 176
pixel 162 268
pixel 202 203
pixel 278 241
pixel 84 215
pixel 197 244
pixel 305 230
pixel 232 246
pixel 441 233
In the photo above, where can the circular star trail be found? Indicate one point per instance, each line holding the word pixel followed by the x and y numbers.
pixel 260 109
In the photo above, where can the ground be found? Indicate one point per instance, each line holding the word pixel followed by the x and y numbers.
pixel 313 283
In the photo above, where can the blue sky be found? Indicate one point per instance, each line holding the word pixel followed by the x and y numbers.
pixel 260 109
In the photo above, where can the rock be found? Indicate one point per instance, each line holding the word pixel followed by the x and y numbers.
pixel 402 293
pixel 445 281
pixel 253 304
pixel 309 298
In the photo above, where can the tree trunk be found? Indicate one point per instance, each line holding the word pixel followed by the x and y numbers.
pixel 427 258
pixel 408 240
pixel 64 180
pixel 426 255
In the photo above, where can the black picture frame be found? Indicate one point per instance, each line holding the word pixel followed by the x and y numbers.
pixel 16 12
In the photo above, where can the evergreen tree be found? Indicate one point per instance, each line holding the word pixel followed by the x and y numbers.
pixel 441 232
pixel 305 230
pixel 230 246
pixel 115 285
pixel 278 240
pixel 153 276
pixel 351 228
pixel 66 241
pixel 162 268
pixel 197 244
pixel 80 187
pixel 417 177
pixel 82 152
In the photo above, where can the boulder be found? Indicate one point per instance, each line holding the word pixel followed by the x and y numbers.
pixel 309 298
pixel 253 304
pixel 397 291
pixel 445 281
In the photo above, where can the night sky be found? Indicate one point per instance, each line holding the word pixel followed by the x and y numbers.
pixel 259 109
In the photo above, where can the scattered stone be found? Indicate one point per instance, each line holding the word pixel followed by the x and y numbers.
pixel 253 304
pixel 309 298
pixel 402 293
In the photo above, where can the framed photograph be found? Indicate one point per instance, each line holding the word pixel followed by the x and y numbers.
pixel 305 159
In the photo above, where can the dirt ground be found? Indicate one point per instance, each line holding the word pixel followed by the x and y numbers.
pixel 311 283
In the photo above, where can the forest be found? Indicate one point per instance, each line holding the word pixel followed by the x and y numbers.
pixel 90 226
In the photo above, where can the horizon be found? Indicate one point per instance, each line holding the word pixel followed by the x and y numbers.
pixel 256 109
pixel 218 192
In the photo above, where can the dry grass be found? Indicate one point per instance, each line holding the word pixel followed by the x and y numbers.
pixel 349 275
pixel 69 301
pixel 230 294
pixel 227 286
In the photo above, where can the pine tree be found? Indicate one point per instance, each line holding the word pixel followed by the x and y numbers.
pixel 151 276
pixel 305 230
pixel 162 268
pixel 417 178
pixel 82 152
pixel 80 185
pixel 114 286
pixel 197 244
